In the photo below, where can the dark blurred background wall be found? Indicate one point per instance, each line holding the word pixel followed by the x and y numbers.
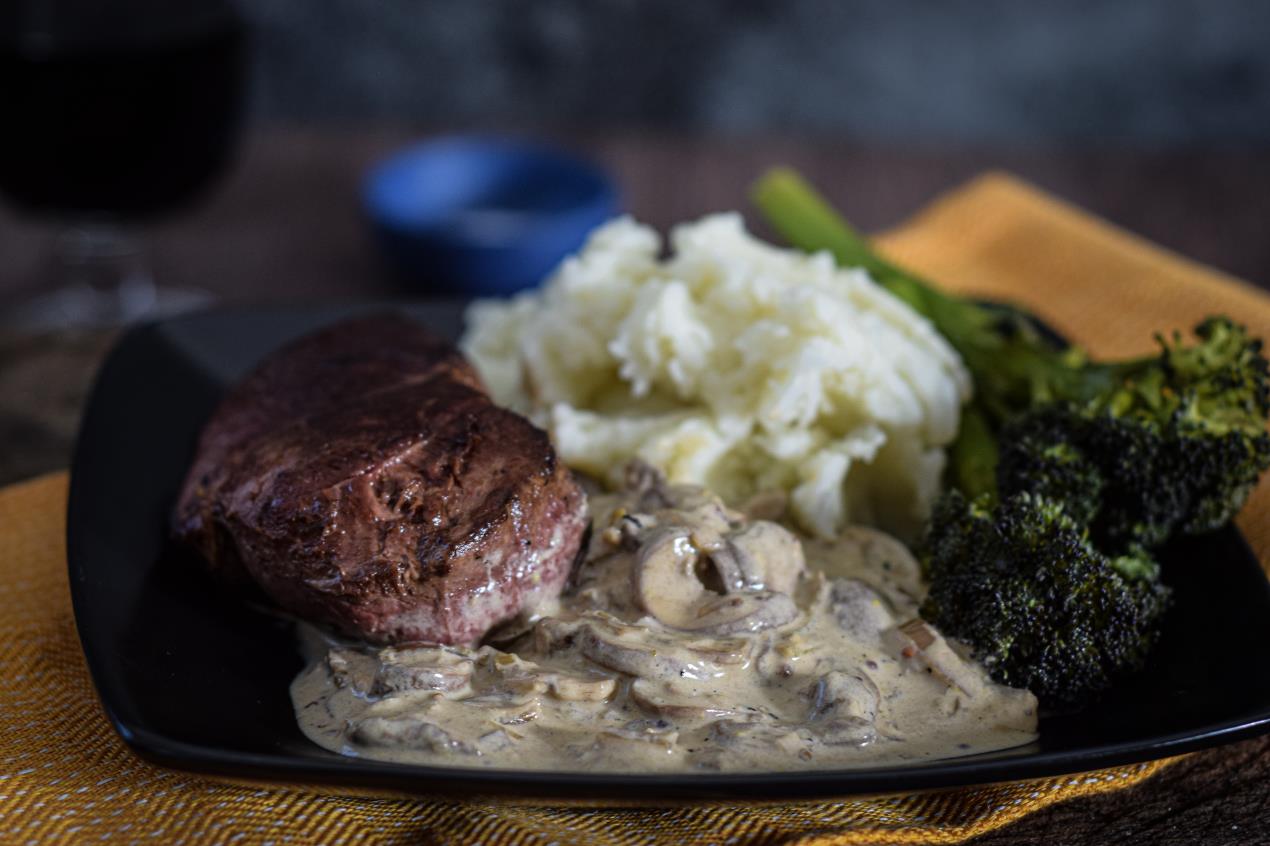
pixel 1165 72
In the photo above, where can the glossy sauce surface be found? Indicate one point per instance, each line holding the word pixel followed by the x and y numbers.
pixel 692 638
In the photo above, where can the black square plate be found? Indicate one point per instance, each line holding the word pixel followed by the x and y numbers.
pixel 197 679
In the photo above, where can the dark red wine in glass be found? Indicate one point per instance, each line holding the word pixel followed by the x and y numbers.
pixel 116 113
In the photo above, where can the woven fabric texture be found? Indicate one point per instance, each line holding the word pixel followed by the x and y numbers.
pixel 66 777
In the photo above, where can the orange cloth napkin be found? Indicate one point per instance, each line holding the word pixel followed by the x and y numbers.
pixel 66 777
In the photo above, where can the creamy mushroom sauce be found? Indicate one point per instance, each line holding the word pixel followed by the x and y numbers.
pixel 693 637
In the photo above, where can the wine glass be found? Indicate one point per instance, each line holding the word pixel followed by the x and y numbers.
pixel 115 114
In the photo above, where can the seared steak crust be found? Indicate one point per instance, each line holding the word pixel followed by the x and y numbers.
pixel 362 477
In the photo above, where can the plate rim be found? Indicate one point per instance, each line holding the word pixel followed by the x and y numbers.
pixel 568 786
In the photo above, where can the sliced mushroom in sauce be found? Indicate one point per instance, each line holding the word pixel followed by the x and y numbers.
pixel 691 638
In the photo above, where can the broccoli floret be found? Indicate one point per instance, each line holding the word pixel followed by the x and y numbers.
pixel 1192 423
pixel 1020 582
pixel 1166 445
pixel 1039 455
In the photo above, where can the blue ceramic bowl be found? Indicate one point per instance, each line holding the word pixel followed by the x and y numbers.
pixel 483 216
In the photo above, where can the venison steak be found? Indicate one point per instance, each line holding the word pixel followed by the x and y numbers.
pixel 362 477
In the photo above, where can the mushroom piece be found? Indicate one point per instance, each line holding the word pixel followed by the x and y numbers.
pixel 666 582
pixel 709 518
pixel 496 740
pixel 901 576
pixel 719 651
pixel 575 687
pixel 919 642
pixel 760 737
pixel 657 732
pixel 624 530
pixel 421 668
pixel 670 588
pixel 657 698
pixel 605 646
pixel 767 504
pixel 640 650
pixel 859 610
pixel 350 668
pixel 503 707
pixel 845 704
pixel 742 613
pixel 515 676
pixel 660 502
pixel 412 701
pixel 528 715
pixel 639 744
pixel 646 482
pixel 776 659
pixel 497 701
pixel 409 732
pixel 762 555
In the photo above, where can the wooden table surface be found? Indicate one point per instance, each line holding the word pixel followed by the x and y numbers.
pixel 286 224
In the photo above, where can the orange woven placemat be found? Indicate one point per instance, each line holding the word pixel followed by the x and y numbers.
pixel 66 777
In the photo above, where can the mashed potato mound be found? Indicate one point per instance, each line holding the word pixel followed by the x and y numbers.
pixel 732 364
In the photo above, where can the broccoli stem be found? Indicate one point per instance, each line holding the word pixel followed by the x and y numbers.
pixel 807 221
pixel 803 217
pixel 973 459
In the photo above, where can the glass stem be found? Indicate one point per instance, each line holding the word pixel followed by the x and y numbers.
pixel 106 265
